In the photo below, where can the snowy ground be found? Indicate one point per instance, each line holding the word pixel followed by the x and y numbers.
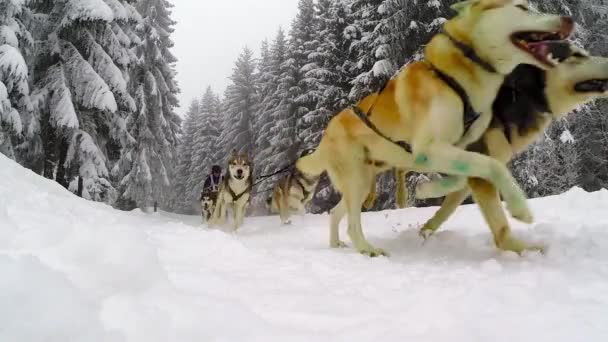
pixel 73 270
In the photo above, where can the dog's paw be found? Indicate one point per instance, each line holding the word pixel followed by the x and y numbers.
pixel 338 244
pixel 426 232
pixel 513 244
pixel 521 212
pixel 286 222
pixel 374 252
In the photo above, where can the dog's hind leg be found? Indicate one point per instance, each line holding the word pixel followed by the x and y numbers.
pixel 487 198
pixel 337 213
pixel 449 205
pixel 439 157
pixel 358 184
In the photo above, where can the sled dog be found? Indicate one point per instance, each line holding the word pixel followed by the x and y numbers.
pixel 437 106
pixel 208 199
pixel 530 100
pixel 292 192
pixel 235 190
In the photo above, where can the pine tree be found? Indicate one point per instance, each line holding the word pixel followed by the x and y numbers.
pixel 15 107
pixel 204 144
pixel 80 92
pixel 184 161
pixel 270 118
pixel 240 102
pixel 154 125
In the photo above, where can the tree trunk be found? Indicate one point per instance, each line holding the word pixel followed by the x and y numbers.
pixel 80 186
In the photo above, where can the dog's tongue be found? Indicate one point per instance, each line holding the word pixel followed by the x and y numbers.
pixel 540 49
pixel 558 49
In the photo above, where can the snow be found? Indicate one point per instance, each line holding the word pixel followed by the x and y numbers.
pixel 81 271
pixel 86 10
pixel 566 137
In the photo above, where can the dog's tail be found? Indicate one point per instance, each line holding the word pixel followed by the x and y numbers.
pixel 311 164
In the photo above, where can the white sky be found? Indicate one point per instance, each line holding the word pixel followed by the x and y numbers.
pixel 210 34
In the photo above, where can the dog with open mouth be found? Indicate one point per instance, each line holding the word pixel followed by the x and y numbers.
pixel 530 100
pixel 424 118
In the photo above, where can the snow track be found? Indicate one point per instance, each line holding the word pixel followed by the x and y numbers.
pixel 76 270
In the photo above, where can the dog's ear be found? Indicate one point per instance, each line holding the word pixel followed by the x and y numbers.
pixel 463 6
pixel 233 153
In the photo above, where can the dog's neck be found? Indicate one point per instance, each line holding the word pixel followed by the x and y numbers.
pixel 469 52
pixel 480 85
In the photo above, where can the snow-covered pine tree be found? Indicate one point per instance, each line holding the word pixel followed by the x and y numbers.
pixel 15 107
pixel 79 77
pixel 325 75
pixel 299 99
pixel 367 16
pixel 271 119
pixel 184 159
pixel 265 82
pixel 239 106
pixel 154 125
pixel 204 145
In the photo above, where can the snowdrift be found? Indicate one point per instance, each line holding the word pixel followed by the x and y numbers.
pixel 73 270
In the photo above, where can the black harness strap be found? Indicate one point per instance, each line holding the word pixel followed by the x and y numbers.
pixel 470 53
pixel 234 196
pixel 364 117
pixel 469 113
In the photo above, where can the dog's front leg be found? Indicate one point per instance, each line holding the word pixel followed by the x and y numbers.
pixel 221 212
pixel 487 198
pixel 239 213
pixel 449 205
pixel 283 203
pixel 441 187
pixel 372 196
pixel 441 157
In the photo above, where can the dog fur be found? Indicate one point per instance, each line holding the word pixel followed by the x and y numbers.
pixel 422 109
pixel 235 190
pixel 518 123
pixel 292 193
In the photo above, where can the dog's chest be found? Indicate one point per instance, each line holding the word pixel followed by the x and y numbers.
pixel 237 191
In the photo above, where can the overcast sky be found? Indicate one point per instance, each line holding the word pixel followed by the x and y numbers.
pixel 210 34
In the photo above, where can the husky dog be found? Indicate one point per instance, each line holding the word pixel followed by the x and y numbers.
pixel 235 190
pixel 208 199
pixel 292 193
pixel 530 100
pixel 437 106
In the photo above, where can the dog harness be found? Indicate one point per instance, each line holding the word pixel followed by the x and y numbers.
pixel 469 114
pixel 234 196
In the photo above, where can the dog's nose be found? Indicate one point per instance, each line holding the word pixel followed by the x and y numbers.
pixel 239 172
pixel 567 27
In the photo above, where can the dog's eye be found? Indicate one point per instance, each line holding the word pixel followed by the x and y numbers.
pixel 523 8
